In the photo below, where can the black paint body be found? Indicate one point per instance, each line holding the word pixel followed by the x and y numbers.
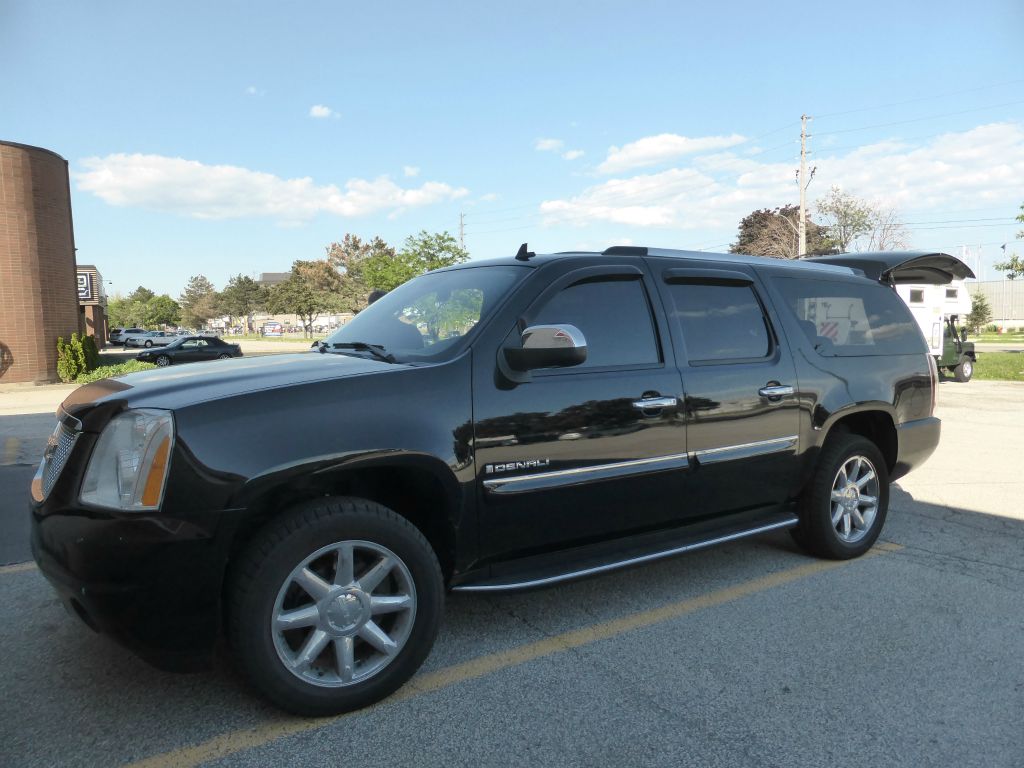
pixel 253 436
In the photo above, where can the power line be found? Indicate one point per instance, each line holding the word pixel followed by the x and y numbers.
pixel 920 99
pixel 919 119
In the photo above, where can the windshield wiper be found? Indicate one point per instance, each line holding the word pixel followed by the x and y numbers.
pixel 374 349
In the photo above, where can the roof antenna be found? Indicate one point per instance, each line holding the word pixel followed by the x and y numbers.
pixel 523 254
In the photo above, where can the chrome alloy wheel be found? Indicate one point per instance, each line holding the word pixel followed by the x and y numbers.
pixel 332 628
pixel 854 499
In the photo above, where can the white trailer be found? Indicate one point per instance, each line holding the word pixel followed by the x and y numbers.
pixel 933 305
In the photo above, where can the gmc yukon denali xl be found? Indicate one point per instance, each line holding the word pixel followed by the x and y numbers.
pixel 497 425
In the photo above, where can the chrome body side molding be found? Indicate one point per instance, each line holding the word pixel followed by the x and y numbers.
pixel 578 475
pixel 745 450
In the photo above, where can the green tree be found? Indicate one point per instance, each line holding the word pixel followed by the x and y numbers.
pixel 198 301
pixel 312 289
pixel 844 217
pixel 242 297
pixel 980 315
pixel 142 294
pixel 1013 267
pixel 853 224
pixel 773 232
pixel 348 257
pixel 420 253
pixel 161 310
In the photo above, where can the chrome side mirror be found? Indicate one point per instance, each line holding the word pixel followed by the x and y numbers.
pixel 548 346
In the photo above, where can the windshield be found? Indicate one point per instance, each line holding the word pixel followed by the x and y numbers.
pixel 426 318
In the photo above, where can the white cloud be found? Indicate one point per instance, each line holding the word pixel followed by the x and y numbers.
pixel 548 145
pixel 652 150
pixel 320 111
pixel 490 197
pixel 252 90
pixel 191 188
pixel 981 166
pixel 573 154
pixel 410 170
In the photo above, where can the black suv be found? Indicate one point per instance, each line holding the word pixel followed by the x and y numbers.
pixel 498 425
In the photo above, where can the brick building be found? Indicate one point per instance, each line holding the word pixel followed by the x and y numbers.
pixel 38 300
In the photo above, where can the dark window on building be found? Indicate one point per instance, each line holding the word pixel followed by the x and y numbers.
pixel 849 319
pixel 917 296
pixel 951 293
pixel 615 318
pixel 719 322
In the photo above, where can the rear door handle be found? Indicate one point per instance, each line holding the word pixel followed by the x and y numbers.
pixel 775 391
pixel 655 403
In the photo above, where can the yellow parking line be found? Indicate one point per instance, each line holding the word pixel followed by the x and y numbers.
pixel 237 741
pixel 11 445
pixel 17 568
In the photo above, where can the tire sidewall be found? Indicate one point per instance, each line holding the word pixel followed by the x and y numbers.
pixel 165 358
pixel 816 528
pixel 252 619
pixel 965 370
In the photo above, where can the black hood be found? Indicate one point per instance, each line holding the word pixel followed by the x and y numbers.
pixel 180 386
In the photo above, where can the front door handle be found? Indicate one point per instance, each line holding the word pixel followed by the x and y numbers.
pixel 655 403
pixel 775 391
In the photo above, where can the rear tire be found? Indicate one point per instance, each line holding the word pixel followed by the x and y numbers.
pixel 843 508
pixel 334 606
pixel 965 370
pixel 148 344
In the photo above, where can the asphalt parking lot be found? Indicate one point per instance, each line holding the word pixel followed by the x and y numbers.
pixel 750 654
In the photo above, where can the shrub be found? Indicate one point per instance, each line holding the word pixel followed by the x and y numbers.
pixel 92 354
pixel 106 371
pixel 67 363
pixel 992 328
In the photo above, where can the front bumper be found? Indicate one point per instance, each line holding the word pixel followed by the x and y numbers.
pixel 916 441
pixel 152 584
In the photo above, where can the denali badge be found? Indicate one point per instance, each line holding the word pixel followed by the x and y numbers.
pixel 492 469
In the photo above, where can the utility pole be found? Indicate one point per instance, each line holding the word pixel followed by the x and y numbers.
pixel 462 231
pixel 802 248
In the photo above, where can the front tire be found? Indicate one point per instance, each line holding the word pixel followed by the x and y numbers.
pixel 225 356
pixel 163 361
pixel 965 370
pixel 843 508
pixel 148 344
pixel 334 606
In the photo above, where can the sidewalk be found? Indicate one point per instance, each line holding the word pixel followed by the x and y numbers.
pixel 27 419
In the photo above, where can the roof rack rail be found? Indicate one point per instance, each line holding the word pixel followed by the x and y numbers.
pixel 625 250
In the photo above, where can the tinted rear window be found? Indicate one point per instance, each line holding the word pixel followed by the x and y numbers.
pixel 719 323
pixel 849 319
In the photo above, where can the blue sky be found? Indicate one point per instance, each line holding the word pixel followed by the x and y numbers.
pixel 229 137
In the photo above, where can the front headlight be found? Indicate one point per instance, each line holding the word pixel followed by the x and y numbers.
pixel 128 467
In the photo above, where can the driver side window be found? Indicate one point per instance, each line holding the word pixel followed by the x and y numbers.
pixel 615 318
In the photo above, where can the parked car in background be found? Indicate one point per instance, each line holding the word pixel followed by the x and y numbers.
pixel 117 335
pixel 148 339
pixel 191 349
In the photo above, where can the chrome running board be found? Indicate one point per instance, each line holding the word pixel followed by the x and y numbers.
pixel 786 520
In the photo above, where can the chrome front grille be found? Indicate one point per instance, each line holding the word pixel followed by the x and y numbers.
pixel 55 456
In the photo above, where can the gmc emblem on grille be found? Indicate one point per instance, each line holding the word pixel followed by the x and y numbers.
pixel 493 469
